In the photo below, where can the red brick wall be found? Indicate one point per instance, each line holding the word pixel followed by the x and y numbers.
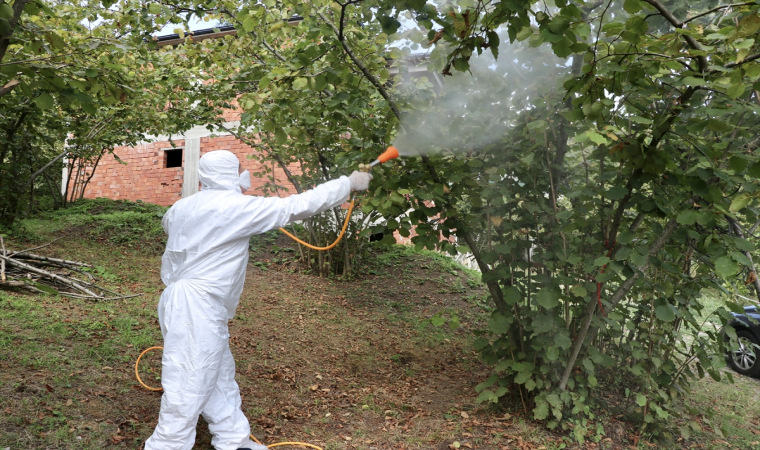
pixel 144 176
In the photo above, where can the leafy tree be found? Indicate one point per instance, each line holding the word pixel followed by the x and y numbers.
pixel 77 79
pixel 616 186
pixel 603 189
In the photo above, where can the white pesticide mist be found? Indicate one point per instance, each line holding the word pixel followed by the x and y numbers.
pixel 470 111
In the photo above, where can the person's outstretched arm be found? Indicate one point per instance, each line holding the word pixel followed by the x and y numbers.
pixel 266 213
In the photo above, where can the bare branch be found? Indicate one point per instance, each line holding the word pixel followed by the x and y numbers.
pixel 12 254
pixel 50 275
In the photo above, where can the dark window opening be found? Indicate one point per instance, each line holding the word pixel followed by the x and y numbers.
pixel 173 158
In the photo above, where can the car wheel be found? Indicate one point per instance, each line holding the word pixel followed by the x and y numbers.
pixel 745 359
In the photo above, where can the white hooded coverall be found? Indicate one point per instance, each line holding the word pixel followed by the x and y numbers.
pixel 203 268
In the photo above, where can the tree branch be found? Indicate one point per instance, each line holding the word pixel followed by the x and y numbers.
pixel 342 14
pixel 5 39
pixel 718 8
pixel 8 87
pixel 744 61
pixel 370 76
pixel 678 24
pixel 45 167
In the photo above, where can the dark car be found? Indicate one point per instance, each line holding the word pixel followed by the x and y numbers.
pixel 746 359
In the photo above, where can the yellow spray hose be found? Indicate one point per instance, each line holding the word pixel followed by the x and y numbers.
pixel 279 444
pixel 340 236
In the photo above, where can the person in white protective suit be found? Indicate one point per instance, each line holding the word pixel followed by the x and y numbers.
pixel 203 268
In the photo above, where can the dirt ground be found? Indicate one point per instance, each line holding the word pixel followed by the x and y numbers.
pixel 342 365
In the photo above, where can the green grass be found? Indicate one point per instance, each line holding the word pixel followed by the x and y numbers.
pixel 66 365
pixel 131 225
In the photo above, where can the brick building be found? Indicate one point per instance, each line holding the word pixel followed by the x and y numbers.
pixel 156 172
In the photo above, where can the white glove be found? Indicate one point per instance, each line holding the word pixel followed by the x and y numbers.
pixel 359 181
pixel 245 181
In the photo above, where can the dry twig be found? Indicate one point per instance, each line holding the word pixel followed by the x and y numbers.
pixel 43 274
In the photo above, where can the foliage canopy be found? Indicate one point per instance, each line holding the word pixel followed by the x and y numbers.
pixel 597 159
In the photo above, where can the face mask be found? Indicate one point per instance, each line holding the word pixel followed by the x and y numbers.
pixel 245 181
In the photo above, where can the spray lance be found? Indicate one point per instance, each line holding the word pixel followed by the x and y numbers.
pixel 390 153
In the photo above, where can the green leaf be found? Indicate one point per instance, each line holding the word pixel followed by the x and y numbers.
pixel 693 81
pixel 632 6
pixel 583 29
pixel 737 164
pixel 625 237
pixel 600 261
pixel 44 101
pixel 524 33
pixel 754 170
pixel 665 313
pixel 389 24
pixel 638 259
pixel 637 24
pixel 596 138
pixel 6 12
pixel 547 298
pixel 493 42
pixel 498 324
pixel 480 344
pixel 611 28
pixel 617 193
pixel 280 136
pixel 484 396
pixel 687 217
pixel 641 399
pixel 461 65
pixel 741 258
pixel 718 126
pixel 736 90
pixel 740 202
pixel 512 295
pixel 249 24
pixel 559 24
pixel 541 411
pixel 300 83
pixel 579 291
pixel 726 267
pixel 154 8
pixel 46 289
pixel 744 245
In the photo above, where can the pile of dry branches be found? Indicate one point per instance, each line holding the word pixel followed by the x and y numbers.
pixel 41 274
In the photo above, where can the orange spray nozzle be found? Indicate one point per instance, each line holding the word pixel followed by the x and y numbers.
pixel 391 153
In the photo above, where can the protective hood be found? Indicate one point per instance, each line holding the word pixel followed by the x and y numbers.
pixel 218 170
